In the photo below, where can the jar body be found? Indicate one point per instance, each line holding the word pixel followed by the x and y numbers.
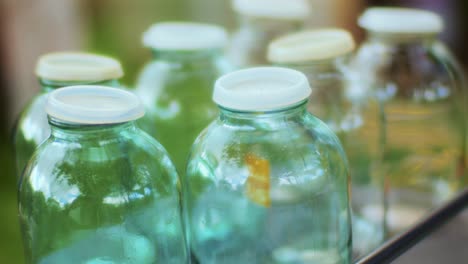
pixel 353 116
pixel 107 197
pixel 423 130
pixel 32 127
pixel 176 90
pixel 250 41
pixel 268 188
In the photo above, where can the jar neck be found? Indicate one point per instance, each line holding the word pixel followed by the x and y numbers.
pixel 271 119
pixel 80 133
pixel 396 38
pixel 196 58
pixel 322 70
pixel 269 25
pixel 50 85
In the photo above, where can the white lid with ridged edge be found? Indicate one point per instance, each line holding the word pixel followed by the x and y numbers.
pixel 93 105
pixel 311 45
pixel 184 36
pixel 276 9
pixel 78 66
pixel 261 89
pixel 401 21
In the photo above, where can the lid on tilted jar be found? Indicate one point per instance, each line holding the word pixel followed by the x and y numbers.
pixel 184 36
pixel 261 89
pixel 77 66
pixel 311 45
pixel 276 9
pixel 93 105
pixel 404 21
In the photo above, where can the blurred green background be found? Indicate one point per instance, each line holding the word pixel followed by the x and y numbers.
pixel 29 28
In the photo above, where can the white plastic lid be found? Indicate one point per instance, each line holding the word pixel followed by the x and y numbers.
pixel 77 66
pixel 277 9
pixel 93 105
pixel 261 89
pixel 311 45
pixel 184 36
pixel 401 21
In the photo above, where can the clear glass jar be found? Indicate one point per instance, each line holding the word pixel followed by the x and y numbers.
pixel 267 182
pixel 422 95
pixel 323 56
pixel 100 190
pixel 56 70
pixel 176 86
pixel 261 21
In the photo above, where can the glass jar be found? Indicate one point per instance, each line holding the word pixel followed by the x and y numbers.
pixel 100 190
pixel 261 21
pixel 267 182
pixel 323 56
pixel 56 70
pixel 176 86
pixel 421 92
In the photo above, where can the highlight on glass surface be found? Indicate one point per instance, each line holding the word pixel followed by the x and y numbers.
pixel 422 96
pixel 260 21
pixel 56 70
pixel 100 190
pixel 176 85
pixel 266 181
pixel 322 55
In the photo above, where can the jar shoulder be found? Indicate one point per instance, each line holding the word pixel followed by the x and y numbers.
pixel 136 158
pixel 32 122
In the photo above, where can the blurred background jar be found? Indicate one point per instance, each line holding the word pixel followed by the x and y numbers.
pixel 323 56
pixel 259 22
pixel 267 182
pixel 176 85
pixel 100 190
pixel 56 70
pixel 422 94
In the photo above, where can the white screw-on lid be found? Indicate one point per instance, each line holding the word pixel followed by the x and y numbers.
pixel 401 21
pixel 310 46
pixel 77 66
pixel 93 105
pixel 184 36
pixel 277 9
pixel 261 89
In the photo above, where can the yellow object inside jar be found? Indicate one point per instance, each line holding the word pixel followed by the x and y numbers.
pixel 258 182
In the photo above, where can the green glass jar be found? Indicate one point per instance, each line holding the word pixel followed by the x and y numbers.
pixel 100 190
pixel 56 70
pixel 261 21
pixel 176 86
pixel 323 56
pixel 422 95
pixel 267 182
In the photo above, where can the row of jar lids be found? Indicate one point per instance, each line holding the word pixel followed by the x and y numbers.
pixel 278 87
pixel 374 19
pixel 297 47
pixel 193 36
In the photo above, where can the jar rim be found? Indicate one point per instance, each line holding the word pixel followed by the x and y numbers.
pixel 93 105
pixel 261 89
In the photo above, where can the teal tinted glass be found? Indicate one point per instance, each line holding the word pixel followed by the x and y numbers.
pixel 268 187
pixel 101 194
